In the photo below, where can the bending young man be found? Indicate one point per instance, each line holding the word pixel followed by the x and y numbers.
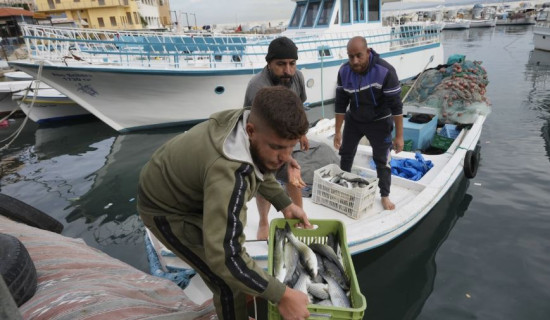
pixel 193 194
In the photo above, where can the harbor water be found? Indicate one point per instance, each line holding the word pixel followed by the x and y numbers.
pixel 482 253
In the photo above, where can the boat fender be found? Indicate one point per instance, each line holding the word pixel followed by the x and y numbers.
pixel 471 162
pixel 17 269
pixel 22 212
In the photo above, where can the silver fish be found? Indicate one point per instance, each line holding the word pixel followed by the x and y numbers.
pixel 332 270
pixel 302 283
pixel 327 252
pixel 290 257
pixel 279 270
pixel 325 303
pixel 307 256
pixel 337 295
pixel 318 290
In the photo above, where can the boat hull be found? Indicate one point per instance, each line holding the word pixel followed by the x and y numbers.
pixel 541 37
pixel 484 23
pixel 133 99
pixel 52 112
pixel 516 21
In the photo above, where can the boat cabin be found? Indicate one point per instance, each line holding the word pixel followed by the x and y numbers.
pixel 337 15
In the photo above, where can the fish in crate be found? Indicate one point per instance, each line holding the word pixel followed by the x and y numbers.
pixel 342 191
pixel 316 262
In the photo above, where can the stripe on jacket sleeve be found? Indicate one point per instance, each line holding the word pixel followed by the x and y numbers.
pixel 393 91
pixel 234 229
pixel 226 295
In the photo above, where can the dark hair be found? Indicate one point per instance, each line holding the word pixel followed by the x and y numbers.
pixel 281 48
pixel 282 110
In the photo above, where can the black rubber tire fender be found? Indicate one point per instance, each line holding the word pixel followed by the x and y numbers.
pixel 17 269
pixel 22 212
pixel 471 163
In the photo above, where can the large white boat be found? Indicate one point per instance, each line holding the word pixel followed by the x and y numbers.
pixel 133 80
pixel 541 31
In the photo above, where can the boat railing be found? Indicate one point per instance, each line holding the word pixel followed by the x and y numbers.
pixel 179 51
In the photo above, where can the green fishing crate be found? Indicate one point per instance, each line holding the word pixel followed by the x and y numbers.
pixel 441 142
pixel 408 145
pixel 320 235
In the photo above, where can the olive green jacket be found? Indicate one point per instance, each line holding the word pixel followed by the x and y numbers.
pixel 206 176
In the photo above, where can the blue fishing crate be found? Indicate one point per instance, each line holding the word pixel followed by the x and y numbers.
pixel 421 134
pixel 320 234
pixel 449 131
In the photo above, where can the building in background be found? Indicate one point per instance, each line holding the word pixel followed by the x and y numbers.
pixel 164 13
pixel 109 14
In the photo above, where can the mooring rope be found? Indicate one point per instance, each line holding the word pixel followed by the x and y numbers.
pixel 16 133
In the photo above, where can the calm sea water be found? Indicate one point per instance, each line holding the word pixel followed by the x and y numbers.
pixel 482 253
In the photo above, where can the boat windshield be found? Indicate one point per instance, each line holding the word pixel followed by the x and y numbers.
pixel 312 14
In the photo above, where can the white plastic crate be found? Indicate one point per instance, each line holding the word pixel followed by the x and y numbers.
pixel 352 202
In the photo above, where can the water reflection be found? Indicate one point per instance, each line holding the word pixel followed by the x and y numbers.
pixel 56 165
pixel 537 71
pixel 515 29
pixel 397 278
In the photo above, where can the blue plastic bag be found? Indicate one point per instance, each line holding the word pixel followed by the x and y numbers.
pixel 409 168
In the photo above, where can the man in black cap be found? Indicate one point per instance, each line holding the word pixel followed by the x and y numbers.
pixel 280 70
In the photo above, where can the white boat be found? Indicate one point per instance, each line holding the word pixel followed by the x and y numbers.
pixel 376 226
pixel 541 31
pixel 7 88
pixel 524 14
pixel 456 24
pixel 483 23
pixel 133 80
pixel 17 76
pixel 49 105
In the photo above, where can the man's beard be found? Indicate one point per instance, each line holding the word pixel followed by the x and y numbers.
pixel 258 162
pixel 279 80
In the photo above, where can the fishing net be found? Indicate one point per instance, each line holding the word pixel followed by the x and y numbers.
pixel 456 91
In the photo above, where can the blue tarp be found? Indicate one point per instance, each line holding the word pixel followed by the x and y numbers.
pixel 409 168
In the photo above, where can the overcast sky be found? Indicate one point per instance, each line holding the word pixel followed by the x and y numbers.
pixel 235 11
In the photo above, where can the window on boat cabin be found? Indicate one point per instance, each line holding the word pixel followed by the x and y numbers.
pixel 326 13
pixel 101 2
pixel 358 10
pixel 298 14
pixel 324 52
pixel 51 4
pixel 113 21
pixel 311 14
pixel 346 12
pixel 101 22
pixel 129 17
pixel 374 10
pixel 136 18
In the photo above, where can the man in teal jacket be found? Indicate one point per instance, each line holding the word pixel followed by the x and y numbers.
pixel 193 194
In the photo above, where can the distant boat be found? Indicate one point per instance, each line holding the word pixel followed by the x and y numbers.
pixel 49 105
pixel 483 23
pixel 7 88
pixel 525 14
pixel 457 24
pixel 138 80
pixel 541 31
pixel 17 76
